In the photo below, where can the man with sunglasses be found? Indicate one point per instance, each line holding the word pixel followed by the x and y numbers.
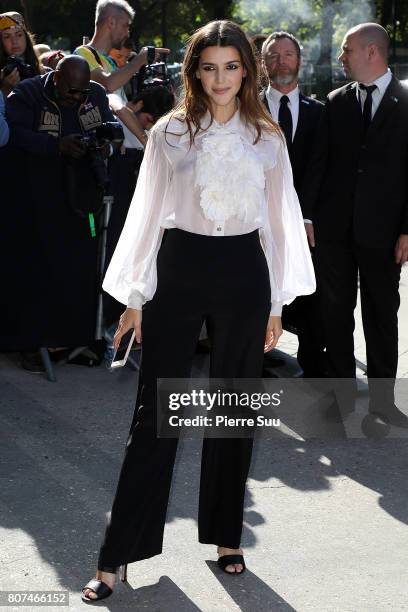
pixel 51 114
pixel 59 199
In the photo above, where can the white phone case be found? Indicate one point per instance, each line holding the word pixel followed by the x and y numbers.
pixel 121 362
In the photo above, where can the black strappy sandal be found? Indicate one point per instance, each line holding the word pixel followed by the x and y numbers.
pixel 101 589
pixel 231 560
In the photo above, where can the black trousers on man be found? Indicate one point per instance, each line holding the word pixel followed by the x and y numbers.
pixel 339 266
pixel 224 281
pixel 304 315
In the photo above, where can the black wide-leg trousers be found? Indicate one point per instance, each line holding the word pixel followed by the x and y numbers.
pixel 338 267
pixel 225 282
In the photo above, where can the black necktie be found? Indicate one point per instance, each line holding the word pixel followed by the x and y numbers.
pixel 368 104
pixel 285 119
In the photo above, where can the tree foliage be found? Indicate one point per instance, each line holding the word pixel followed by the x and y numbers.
pixel 157 21
pixel 319 24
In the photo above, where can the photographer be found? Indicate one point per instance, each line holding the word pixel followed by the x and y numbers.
pixel 53 120
pixel 18 60
pixel 113 19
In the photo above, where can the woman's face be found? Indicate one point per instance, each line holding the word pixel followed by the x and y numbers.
pixel 14 41
pixel 221 71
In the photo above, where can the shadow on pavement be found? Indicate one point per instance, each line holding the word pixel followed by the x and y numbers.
pixel 165 596
pixel 62 446
pixel 250 592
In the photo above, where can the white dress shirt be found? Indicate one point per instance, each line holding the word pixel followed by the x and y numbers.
pixel 222 185
pixel 273 97
pixel 377 95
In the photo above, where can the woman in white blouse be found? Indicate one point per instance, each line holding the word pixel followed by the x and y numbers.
pixel 214 233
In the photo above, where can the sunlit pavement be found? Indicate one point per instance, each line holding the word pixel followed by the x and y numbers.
pixel 325 519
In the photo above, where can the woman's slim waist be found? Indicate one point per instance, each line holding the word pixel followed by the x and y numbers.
pixel 187 236
pixel 212 255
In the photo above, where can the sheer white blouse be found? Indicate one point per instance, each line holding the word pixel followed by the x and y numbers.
pixel 223 185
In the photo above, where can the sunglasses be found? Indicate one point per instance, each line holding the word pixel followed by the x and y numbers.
pixel 74 90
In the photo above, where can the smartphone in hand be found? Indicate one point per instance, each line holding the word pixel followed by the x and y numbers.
pixel 122 353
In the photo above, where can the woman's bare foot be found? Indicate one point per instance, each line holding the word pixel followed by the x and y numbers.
pixel 234 567
pixel 106 577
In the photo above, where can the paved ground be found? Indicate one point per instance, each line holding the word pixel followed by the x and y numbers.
pixel 325 519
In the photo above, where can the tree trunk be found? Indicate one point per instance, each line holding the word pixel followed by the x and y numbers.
pixel 385 8
pixel 164 23
pixel 24 10
pixel 221 9
pixel 323 64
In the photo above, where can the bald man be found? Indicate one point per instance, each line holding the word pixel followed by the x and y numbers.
pixel 49 117
pixel 356 201
pixel 49 112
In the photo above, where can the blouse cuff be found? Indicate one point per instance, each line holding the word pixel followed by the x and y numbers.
pixel 276 309
pixel 136 300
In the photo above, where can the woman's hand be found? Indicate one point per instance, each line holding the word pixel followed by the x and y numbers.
pixel 130 319
pixel 310 234
pixel 9 82
pixel 273 333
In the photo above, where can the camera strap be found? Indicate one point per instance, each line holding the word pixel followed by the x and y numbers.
pixel 97 57
pixel 95 54
pixel 92 224
pixel 85 200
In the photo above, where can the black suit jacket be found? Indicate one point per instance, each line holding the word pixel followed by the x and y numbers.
pixel 305 136
pixel 358 188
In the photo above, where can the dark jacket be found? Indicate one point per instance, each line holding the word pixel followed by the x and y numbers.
pixel 305 136
pixel 359 187
pixel 35 119
pixel 51 250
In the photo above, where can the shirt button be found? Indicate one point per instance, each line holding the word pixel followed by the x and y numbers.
pixel 219 229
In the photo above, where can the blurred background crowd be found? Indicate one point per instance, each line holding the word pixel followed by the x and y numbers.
pixel 67 184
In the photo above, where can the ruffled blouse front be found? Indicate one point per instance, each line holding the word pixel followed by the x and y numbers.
pixel 230 176
pixel 222 185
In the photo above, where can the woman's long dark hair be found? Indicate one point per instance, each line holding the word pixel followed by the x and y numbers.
pixel 29 55
pixel 195 102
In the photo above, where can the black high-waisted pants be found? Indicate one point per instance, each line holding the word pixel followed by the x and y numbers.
pixel 224 281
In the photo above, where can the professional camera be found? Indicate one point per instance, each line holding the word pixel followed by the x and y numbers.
pixel 109 132
pixel 24 70
pixel 149 76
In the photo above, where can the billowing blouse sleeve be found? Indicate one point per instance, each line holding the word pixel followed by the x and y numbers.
pixel 283 235
pixel 131 277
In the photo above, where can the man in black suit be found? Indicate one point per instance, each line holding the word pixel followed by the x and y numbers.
pixel 298 117
pixel 357 197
